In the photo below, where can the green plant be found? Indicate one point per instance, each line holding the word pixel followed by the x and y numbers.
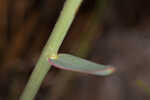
pixel 51 49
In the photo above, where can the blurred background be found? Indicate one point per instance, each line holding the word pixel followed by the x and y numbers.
pixel 111 32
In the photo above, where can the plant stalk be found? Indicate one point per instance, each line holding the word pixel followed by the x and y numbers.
pixel 51 48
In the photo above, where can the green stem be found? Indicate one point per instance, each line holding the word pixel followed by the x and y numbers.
pixel 51 48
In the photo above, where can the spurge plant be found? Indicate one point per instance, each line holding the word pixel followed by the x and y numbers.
pixel 50 54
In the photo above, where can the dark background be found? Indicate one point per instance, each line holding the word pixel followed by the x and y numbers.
pixel 111 32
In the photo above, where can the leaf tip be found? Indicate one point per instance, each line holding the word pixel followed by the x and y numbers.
pixel 112 69
pixel 106 72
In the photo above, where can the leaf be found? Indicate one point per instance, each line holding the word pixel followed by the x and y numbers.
pixel 73 63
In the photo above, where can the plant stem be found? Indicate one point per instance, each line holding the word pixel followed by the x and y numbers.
pixel 51 48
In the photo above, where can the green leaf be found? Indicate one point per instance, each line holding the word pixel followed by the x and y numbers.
pixel 73 63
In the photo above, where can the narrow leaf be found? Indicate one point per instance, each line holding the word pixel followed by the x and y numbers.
pixel 73 63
